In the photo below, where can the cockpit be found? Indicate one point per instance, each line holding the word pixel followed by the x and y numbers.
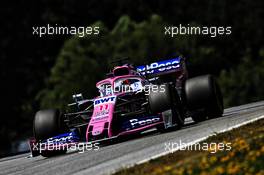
pixel 127 85
pixel 120 85
pixel 105 89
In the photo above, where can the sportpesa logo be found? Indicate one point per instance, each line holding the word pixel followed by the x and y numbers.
pixel 143 122
pixel 63 139
pixel 160 66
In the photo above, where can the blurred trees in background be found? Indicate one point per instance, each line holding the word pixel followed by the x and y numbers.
pixel 244 83
pixel 84 61
pixel 43 72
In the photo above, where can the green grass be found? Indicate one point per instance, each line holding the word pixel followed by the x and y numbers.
pixel 245 157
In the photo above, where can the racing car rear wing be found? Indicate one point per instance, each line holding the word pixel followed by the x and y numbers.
pixel 160 67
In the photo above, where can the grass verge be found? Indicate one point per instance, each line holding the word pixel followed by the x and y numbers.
pixel 245 157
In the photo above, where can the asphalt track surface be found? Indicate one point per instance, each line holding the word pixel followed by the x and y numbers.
pixel 113 157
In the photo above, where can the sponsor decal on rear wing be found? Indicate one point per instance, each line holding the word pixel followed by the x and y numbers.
pixel 160 67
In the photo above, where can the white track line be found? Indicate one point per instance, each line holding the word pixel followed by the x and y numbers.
pixel 198 140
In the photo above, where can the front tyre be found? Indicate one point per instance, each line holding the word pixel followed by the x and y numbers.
pixel 48 123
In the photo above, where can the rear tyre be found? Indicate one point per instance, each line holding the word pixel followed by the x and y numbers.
pixel 203 94
pixel 48 123
pixel 167 98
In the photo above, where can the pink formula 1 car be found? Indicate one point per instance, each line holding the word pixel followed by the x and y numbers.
pixel 131 100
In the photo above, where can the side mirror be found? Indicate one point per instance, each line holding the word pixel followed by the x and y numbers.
pixel 77 97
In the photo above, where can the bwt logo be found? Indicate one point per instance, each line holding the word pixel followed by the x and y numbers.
pixel 105 100
pixel 163 65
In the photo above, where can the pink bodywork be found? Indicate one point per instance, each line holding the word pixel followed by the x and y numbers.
pixel 101 119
